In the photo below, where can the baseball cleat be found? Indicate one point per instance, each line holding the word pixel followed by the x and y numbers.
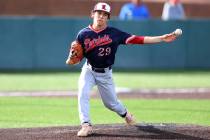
pixel 129 119
pixel 85 130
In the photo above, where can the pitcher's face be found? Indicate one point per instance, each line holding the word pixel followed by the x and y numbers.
pixel 100 18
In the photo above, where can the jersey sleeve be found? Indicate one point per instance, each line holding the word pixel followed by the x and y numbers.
pixel 79 37
pixel 122 36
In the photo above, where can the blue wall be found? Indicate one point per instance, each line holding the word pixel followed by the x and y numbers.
pixel 43 43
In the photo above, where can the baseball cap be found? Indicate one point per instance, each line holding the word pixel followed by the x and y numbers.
pixel 101 6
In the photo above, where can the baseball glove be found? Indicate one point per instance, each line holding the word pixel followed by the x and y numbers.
pixel 75 54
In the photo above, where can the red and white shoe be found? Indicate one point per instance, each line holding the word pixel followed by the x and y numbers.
pixel 85 131
pixel 129 119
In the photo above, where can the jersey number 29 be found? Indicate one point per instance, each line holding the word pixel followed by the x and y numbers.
pixel 104 51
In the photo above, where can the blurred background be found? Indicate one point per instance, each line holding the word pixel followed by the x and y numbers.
pixel 82 8
pixel 35 34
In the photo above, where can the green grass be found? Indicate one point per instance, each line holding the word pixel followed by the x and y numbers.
pixel 163 79
pixel 38 81
pixel 33 112
pixel 69 80
pixel 36 112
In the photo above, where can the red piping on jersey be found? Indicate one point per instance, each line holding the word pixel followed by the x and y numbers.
pixel 96 31
pixel 135 40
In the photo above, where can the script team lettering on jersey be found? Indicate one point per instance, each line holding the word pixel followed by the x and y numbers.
pixel 90 44
pixel 100 47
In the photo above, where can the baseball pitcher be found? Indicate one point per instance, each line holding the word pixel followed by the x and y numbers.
pixel 98 43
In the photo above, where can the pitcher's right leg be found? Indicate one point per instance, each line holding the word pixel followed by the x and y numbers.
pixel 86 82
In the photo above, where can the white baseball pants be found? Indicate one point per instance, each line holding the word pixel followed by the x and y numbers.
pixel 106 87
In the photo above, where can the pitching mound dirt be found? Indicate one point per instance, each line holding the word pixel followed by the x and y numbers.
pixel 111 132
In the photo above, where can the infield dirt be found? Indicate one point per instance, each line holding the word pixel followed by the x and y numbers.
pixel 111 132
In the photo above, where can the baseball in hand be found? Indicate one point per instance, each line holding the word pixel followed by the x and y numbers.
pixel 178 32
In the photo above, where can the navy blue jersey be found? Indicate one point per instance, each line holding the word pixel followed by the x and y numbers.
pixel 100 47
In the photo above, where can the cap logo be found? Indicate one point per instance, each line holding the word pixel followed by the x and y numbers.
pixel 103 7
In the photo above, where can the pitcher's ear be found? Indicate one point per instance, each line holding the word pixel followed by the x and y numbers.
pixel 92 14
